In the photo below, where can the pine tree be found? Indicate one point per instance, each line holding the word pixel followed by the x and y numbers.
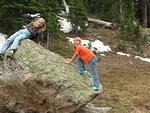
pixel 10 16
pixel 77 15
pixel 13 13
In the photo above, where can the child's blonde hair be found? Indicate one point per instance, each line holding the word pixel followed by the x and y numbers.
pixel 44 23
pixel 77 39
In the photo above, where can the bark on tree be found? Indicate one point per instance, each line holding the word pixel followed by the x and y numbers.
pixel 148 13
pixel 121 13
pixel 144 12
pixel 66 6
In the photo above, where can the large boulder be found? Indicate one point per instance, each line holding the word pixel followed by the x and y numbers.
pixel 36 80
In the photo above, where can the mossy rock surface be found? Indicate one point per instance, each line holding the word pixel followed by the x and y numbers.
pixel 37 80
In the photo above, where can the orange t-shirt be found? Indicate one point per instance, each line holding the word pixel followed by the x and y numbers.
pixel 84 53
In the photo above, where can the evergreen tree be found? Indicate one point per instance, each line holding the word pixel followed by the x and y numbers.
pixel 104 9
pixel 77 15
pixel 10 16
pixel 13 13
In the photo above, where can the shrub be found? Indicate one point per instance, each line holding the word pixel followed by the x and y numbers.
pixel 123 46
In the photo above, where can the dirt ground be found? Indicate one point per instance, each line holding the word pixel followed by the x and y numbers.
pixel 125 80
pixel 126 84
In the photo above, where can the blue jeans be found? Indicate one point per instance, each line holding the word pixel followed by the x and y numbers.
pixel 14 40
pixel 92 63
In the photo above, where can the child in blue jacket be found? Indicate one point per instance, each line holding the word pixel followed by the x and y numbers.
pixel 13 41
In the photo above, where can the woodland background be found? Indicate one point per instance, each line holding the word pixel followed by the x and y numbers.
pixel 129 16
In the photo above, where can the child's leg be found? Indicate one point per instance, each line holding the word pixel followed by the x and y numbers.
pixel 8 42
pixel 81 65
pixel 95 77
pixel 16 41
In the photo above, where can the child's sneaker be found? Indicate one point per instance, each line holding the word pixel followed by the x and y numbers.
pixel 10 53
pixel 84 73
pixel 97 88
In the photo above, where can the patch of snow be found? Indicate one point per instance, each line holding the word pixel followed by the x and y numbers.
pixel 143 59
pixel 124 54
pixel 102 54
pixel 70 39
pixel 65 25
pixel 96 46
pixel 33 15
pixel 86 43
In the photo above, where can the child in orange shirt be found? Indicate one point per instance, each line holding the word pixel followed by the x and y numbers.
pixel 85 55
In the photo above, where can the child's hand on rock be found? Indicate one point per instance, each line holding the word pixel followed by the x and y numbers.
pixel 68 61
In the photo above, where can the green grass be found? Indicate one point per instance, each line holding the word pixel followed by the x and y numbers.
pixel 62 50
pixel 62 47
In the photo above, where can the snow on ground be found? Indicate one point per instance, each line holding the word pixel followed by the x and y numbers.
pixel 37 15
pixel 96 45
pixel 65 25
pixel 144 59
pixel 86 43
pixel 124 54
pixel 102 54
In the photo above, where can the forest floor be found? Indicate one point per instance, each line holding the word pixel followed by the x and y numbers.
pixel 125 80
pixel 126 84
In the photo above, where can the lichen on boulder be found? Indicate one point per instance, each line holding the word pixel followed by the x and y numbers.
pixel 37 80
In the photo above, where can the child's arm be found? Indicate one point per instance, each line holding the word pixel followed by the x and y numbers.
pixel 28 25
pixel 69 61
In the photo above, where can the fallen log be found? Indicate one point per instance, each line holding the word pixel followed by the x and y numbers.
pixel 102 23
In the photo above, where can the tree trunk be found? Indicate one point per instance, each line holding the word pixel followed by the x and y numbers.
pixel 121 12
pixel 66 6
pixel 144 12
pixel 145 15
pixel 148 9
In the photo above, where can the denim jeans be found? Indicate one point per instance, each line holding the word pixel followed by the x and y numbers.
pixel 92 63
pixel 81 65
pixel 13 41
